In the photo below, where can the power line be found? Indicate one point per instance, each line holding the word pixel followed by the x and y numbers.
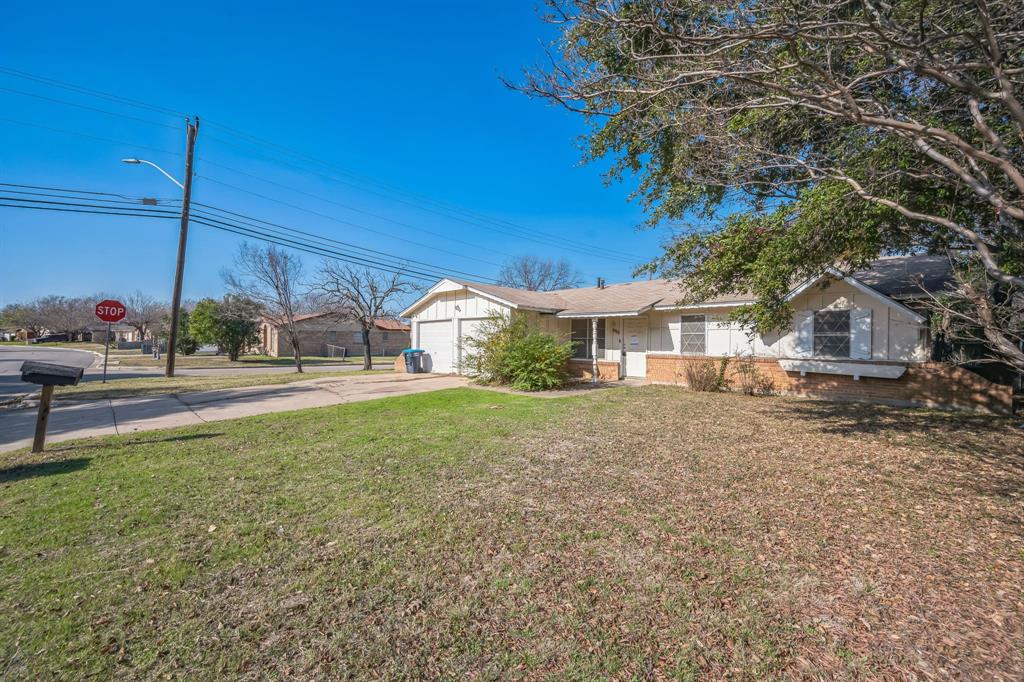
pixel 88 136
pixel 67 193
pixel 341 221
pixel 430 273
pixel 78 204
pixel 489 223
pixel 89 91
pixel 76 195
pixel 88 108
pixel 147 214
pixel 284 203
pixel 519 230
pixel 525 232
pixel 376 215
pixel 241 216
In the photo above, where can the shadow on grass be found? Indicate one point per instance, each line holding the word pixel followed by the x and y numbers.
pixel 37 469
pixel 92 445
pixel 998 437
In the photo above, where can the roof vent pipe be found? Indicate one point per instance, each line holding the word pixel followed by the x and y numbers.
pixel 600 282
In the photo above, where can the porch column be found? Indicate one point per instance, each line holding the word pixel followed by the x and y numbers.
pixel 593 348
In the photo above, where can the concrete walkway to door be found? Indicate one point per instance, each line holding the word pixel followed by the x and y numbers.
pixel 74 419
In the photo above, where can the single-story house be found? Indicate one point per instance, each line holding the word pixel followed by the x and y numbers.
pixel 119 333
pixel 859 336
pixel 325 334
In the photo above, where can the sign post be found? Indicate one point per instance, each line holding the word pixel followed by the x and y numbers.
pixel 109 311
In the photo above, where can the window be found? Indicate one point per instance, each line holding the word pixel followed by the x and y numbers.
pixel 582 338
pixel 693 339
pixel 332 337
pixel 832 333
pixel 385 336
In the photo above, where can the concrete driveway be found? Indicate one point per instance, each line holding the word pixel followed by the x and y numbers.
pixel 71 419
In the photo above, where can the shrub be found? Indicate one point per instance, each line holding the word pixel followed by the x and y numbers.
pixel 751 380
pixel 704 374
pixel 508 351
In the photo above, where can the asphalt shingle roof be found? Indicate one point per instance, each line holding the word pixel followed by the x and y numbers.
pixel 894 276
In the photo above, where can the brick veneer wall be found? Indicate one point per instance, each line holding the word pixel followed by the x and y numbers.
pixel 927 384
pixel 314 342
pixel 607 370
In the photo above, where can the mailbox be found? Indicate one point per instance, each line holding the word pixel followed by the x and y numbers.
pixel 50 374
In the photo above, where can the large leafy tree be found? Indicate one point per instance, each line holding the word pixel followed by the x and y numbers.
pixel 784 136
pixel 233 324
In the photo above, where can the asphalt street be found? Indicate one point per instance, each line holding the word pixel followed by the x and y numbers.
pixel 11 358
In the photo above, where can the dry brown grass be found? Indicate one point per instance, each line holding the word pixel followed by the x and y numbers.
pixel 739 537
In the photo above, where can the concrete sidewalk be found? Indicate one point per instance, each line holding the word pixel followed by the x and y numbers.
pixel 71 419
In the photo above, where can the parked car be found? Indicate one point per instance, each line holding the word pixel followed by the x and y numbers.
pixel 51 338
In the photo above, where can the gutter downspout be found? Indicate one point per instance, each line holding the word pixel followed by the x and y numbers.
pixel 593 349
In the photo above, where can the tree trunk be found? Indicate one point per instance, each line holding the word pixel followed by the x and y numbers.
pixel 367 357
pixel 296 350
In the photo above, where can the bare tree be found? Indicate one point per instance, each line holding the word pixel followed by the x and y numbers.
pixel 539 274
pixel 361 295
pixel 839 130
pixel 143 313
pixel 272 278
pixel 22 316
pixel 64 314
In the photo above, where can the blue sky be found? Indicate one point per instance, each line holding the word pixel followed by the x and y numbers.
pixel 403 99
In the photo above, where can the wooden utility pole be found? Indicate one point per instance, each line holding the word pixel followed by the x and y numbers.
pixel 179 272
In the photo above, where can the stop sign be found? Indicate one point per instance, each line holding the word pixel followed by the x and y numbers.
pixel 110 310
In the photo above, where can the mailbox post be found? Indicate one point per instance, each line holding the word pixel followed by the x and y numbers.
pixel 48 375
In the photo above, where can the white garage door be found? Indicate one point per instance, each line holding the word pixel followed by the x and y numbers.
pixel 436 339
pixel 469 327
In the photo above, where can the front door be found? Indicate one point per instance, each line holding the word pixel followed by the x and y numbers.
pixel 635 342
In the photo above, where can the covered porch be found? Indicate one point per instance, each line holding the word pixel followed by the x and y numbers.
pixel 609 347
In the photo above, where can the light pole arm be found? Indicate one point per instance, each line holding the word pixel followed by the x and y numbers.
pixel 150 163
pixel 168 175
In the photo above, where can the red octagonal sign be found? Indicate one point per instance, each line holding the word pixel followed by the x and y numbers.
pixel 110 310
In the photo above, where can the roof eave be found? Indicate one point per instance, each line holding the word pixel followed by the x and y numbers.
pixel 860 286
pixel 617 313
pixel 702 306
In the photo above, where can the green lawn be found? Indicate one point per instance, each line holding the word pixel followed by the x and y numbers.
pixel 629 533
pixel 143 386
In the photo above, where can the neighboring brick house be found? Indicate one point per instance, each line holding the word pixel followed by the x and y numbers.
pixel 324 334
pixel 119 333
pixel 860 336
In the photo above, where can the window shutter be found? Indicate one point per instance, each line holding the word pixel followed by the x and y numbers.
pixel 860 334
pixel 803 338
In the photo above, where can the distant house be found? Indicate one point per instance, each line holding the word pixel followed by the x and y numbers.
pixel 119 333
pixel 324 334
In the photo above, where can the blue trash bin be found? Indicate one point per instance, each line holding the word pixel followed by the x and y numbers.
pixel 413 360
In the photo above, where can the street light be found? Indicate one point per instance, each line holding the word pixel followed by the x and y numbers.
pixel 179 271
pixel 150 163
